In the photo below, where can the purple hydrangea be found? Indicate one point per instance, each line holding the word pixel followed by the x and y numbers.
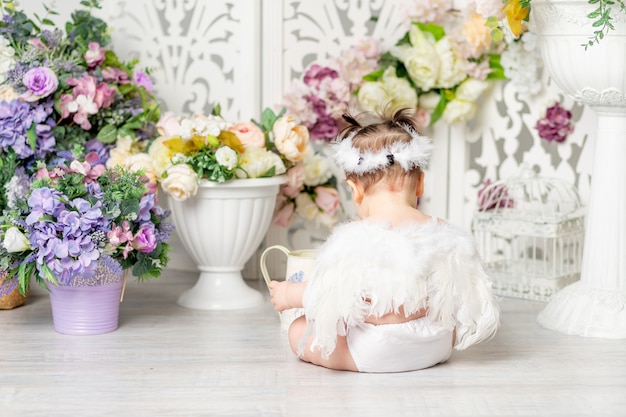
pixel 16 118
pixel 145 207
pixel 17 188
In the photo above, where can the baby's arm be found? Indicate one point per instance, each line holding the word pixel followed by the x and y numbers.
pixel 286 294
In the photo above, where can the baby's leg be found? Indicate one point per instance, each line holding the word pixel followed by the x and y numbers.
pixel 340 359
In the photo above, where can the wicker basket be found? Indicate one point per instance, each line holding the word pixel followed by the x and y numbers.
pixel 12 299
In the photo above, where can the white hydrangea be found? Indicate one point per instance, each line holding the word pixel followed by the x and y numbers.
pixel 202 125
pixel 521 62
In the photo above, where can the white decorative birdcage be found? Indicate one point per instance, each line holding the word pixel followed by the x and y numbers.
pixel 530 230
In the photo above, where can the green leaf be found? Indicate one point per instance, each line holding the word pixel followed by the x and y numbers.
pixel 217 110
pixel 48 275
pixel 268 118
pixel 31 135
pixel 108 134
pixel 497 72
pixel 437 31
pixel 374 76
pixel 269 173
pixel 439 109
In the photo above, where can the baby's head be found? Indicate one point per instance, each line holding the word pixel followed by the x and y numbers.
pixel 389 147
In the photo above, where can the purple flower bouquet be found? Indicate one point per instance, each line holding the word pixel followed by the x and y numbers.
pixel 65 94
pixel 78 217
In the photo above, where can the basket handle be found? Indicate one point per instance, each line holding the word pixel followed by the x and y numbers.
pixel 264 272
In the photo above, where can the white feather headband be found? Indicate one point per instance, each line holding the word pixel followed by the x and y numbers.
pixel 409 155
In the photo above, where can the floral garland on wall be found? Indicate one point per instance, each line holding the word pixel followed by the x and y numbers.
pixel 441 66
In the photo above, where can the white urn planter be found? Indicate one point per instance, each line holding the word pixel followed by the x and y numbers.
pixel 595 306
pixel 221 227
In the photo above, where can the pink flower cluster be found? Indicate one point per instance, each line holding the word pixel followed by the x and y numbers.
pixel 556 125
pixel 86 99
pixel 317 202
pixel 325 92
pixel 143 241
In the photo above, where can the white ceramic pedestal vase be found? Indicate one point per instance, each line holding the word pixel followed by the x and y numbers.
pixel 221 227
pixel 595 306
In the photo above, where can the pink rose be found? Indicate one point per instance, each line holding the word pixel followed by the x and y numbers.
pixel 285 216
pixel 249 134
pixel 168 125
pixel 327 199
pixel 295 181
pixel 94 56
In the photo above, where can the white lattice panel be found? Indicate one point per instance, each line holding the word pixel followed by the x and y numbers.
pixel 245 53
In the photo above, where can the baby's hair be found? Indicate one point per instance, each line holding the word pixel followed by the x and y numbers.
pixel 373 132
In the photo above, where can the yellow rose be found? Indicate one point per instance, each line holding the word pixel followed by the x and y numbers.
pixel 160 155
pixel 291 139
pixel 181 182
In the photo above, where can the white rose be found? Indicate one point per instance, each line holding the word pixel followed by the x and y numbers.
pixel 7 58
pixel 471 89
pixel 255 162
pixel 291 139
pixel 316 170
pixel 399 90
pixel 181 182
pixel 143 162
pixel 458 111
pixel 15 240
pixel 372 96
pixel 306 207
pixel 226 157
pixel 420 58
pixel 452 66
pixel 121 152
pixel 429 101
pixel 7 93
pixel 391 90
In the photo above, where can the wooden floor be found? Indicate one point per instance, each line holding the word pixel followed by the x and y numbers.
pixel 165 360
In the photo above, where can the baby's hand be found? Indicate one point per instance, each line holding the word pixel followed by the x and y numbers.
pixel 278 293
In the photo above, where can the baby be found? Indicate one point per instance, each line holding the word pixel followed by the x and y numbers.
pixel 397 289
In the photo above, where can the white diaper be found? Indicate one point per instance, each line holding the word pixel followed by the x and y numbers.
pixel 401 347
